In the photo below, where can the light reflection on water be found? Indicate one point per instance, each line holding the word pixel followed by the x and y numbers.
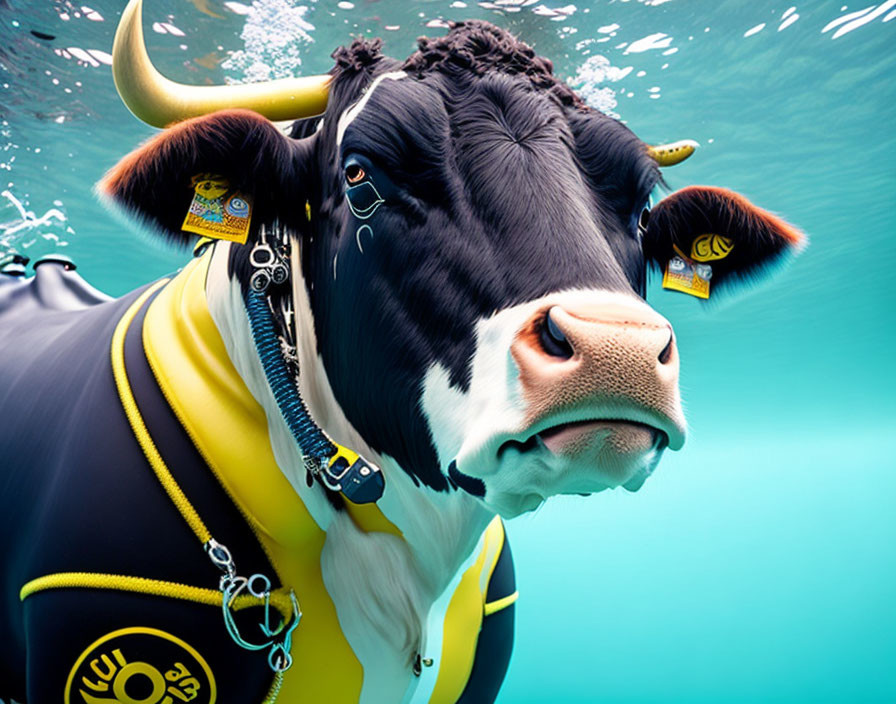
pixel 758 563
pixel 271 38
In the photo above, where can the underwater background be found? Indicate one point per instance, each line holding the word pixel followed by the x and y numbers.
pixel 759 563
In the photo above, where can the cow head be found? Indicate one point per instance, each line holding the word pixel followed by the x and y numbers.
pixel 474 248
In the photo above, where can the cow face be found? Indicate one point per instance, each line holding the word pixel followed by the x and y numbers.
pixel 472 262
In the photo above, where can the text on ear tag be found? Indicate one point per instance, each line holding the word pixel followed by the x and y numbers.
pixel 685 275
pixel 218 212
pixel 707 248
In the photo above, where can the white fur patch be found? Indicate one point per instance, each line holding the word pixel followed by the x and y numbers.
pixel 470 427
pixel 382 586
pixel 346 118
pixel 422 687
pixel 381 599
pixel 462 421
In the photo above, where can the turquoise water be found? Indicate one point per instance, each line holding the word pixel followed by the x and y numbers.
pixel 759 563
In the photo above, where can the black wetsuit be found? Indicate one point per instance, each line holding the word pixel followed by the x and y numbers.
pixel 77 496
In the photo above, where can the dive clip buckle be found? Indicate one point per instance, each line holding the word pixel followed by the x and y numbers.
pixel 360 481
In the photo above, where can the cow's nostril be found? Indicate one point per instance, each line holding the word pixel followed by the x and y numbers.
pixel 553 339
pixel 666 354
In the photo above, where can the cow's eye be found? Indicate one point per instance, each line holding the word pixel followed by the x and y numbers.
pixel 354 173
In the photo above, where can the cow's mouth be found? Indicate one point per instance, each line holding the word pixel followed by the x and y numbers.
pixel 567 451
pixel 564 439
pixel 558 455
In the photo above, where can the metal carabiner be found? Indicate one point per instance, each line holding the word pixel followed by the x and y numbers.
pixel 220 557
pixel 285 645
pixel 260 280
pixel 262 256
pixel 231 585
pixel 279 273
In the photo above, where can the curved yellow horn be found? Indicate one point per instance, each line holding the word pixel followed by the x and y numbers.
pixel 672 153
pixel 159 101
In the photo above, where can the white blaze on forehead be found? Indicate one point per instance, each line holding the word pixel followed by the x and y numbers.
pixel 345 119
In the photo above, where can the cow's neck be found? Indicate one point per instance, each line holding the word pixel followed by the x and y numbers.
pixel 438 530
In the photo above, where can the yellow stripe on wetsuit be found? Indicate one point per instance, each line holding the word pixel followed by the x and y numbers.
pixel 149 448
pixel 152 587
pixel 141 585
pixel 288 535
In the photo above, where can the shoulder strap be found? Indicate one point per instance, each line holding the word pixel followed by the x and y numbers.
pixel 127 343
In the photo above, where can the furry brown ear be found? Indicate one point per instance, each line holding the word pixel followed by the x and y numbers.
pixel 155 182
pixel 757 239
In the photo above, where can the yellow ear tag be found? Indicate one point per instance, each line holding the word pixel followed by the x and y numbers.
pixel 685 275
pixel 218 212
pixel 708 248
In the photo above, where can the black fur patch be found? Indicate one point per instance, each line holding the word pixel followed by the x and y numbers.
pixel 499 186
pixel 475 48
pixel 469 484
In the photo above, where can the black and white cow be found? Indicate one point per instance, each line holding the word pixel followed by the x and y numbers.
pixel 469 258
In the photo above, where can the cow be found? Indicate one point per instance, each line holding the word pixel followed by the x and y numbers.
pixel 280 473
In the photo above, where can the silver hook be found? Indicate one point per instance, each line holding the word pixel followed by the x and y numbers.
pixel 268 266
pixel 231 585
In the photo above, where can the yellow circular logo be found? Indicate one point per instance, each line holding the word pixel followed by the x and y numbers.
pixel 140 666
pixel 707 248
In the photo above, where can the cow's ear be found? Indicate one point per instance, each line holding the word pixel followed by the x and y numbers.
pixel 234 149
pixel 704 226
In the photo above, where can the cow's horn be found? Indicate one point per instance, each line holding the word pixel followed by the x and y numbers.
pixel 159 101
pixel 672 153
